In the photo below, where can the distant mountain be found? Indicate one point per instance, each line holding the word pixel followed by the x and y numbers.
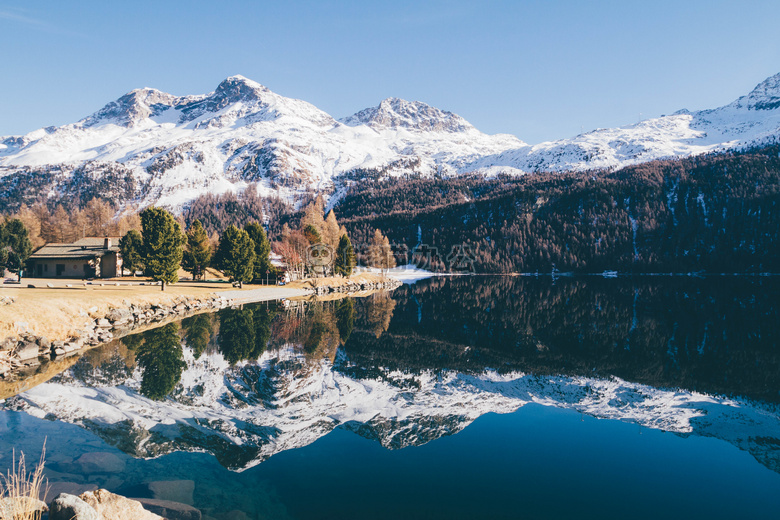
pixel 150 147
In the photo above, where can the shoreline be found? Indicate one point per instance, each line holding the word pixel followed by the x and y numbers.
pixel 43 326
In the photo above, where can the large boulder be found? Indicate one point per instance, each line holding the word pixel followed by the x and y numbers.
pixel 174 490
pixel 71 488
pixel 18 507
pixel 170 510
pixel 100 462
pixel 115 507
pixel 70 507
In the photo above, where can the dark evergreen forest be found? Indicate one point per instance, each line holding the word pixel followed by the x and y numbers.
pixel 713 213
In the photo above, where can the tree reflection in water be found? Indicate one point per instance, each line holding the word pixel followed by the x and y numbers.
pixel 160 357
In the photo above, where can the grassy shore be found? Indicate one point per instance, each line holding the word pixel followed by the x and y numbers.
pixel 59 312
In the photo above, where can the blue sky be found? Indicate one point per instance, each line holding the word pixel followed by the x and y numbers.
pixel 537 69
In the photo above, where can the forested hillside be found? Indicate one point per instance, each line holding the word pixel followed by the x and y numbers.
pixel 714 213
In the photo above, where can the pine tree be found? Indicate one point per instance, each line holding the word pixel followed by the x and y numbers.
pixel 345 257
pixel 162 245
pixel 262 251
pixel 198 253
pixel 236 255
pixel 15 246
pixel 131 247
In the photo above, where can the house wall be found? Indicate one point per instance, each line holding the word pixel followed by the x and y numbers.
pixel 72 268
pixel 110 265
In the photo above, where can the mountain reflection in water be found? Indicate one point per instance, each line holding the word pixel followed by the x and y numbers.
pixel 689 356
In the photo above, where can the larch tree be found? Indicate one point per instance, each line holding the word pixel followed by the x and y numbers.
pixel 380 254
pixel 331 235
pixel 131 248
pixel 236 255
pixel 197 256
pixel 162 245
pixel 32 222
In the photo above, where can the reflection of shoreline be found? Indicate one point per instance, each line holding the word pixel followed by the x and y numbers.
pixel 249 413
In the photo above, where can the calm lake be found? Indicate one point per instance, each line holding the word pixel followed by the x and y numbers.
pixel 465 397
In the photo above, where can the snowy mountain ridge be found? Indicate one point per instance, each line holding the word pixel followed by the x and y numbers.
pixel 167 150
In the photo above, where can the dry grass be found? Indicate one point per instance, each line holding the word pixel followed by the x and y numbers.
pixel 19 490
pixel 58 313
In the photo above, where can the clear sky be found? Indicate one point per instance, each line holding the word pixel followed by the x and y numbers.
pixel 537 69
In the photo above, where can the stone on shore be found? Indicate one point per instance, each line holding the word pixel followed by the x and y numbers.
pixel 111 506
pixel 71 507
pixel 16 507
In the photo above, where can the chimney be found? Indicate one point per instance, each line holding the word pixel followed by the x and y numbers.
pixel 106 243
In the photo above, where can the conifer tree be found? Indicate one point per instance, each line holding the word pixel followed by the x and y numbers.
pixel 236 255
pixel 131 247
pixel 262 250
pixel 198 253
pixel 345 257
pixel 15 246
pixel 162 245
pixel 380 253
pixel 311 234
pixel 331 233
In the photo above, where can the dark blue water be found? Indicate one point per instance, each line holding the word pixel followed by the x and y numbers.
pixel 605 357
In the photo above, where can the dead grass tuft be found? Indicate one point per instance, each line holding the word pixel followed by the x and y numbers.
pixel 19 490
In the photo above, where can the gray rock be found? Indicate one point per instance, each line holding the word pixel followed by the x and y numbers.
pixel 117 314
pixel 170 510
pixel 28 350
pixel 70 488
pixel 103 323
pixel 173 490
pixel 16 507
pixel 71 507
pixel 100 462
pixel 111 506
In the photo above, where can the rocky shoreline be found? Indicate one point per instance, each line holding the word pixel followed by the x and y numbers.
pixel 352 286
pixel 26 352
pixel 23 355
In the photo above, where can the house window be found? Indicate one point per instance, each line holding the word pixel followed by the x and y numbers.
pixel 60 269
pixel 46 267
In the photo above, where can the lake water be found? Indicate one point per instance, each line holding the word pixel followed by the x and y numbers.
pixel 467 397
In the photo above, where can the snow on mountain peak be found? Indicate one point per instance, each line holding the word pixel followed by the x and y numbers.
pixel 132 107
pixel 399 113
pixel 766 95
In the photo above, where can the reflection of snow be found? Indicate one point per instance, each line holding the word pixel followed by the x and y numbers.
pixel 274 405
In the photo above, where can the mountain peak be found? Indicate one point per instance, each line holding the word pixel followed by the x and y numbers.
pixel 134 106
pixel 766 95
pixel 238 88
pixel 416 115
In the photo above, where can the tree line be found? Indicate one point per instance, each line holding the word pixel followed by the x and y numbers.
pixel 161 248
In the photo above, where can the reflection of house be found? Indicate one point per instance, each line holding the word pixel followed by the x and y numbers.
pixel 90 257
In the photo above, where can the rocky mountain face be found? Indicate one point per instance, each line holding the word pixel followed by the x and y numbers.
pixel 151 147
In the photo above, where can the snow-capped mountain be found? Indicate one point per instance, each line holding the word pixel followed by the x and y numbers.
pixel 151 147
pixel 246 414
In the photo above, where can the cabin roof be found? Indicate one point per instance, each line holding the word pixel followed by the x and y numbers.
pixel 87 247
